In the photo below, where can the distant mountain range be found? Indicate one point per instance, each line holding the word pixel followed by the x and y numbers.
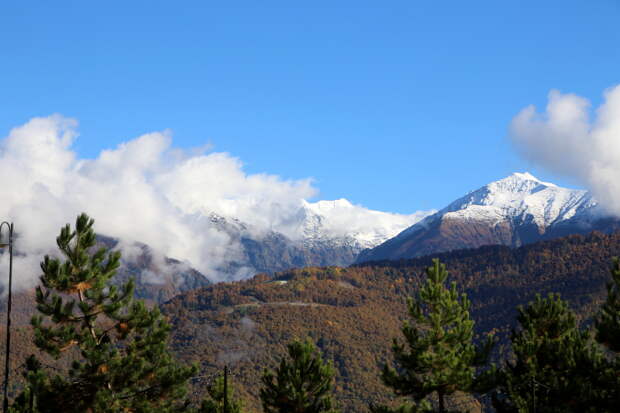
pixel 517 210
pixel 318 234
pixel 513 211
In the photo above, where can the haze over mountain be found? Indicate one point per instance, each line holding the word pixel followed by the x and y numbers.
pixel 513 211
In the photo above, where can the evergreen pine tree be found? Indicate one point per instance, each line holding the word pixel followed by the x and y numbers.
pixel 118 345
pixel 214 403
pixel 607 327
pixel 556 367
pixel 37 381
pixel 301 384
pixel 608 319
pixel 439 357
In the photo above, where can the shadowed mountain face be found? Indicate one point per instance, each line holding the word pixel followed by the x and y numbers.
pixel 514 211
pixel 269 252
pixel 275 252
pixel 157 278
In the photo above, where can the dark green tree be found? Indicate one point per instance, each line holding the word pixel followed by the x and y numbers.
pixel 301 384
pixel 120 361
pixel 607 327
pixel 214 403
pixel 556 367
pixel 439 357
pixel 608 318
pixel 37 381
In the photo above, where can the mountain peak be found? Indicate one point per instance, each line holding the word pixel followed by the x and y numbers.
pixel 523 177
pixel 518 184
pixel 328 205
pixel 514 210
pixel 526 176
pixel 518 195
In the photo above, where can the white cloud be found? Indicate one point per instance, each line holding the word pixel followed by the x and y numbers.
pixel 143 191
pixel 147 191
pixel 567 140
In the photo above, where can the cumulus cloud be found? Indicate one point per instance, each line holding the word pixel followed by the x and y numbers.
pixel 144 190
pixel 573 140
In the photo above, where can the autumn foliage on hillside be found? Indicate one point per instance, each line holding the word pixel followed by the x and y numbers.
pixel 353 313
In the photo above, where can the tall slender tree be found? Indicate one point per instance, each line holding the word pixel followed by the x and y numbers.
pixel 439 356
pixel 118 345
pixel 301 384
pixel 607 327
pixel 608 318
pixel 556 367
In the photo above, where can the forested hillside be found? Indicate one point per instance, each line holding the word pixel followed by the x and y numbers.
pixel 353 313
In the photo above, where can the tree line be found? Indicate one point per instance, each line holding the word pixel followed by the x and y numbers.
pixel 120 361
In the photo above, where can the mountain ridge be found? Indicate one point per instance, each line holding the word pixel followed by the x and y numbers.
pixel 320 233
pixel 515 210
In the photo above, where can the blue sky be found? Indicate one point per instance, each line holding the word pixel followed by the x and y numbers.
pixel 398 106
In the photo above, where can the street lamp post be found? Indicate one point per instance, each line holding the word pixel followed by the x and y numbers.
pixel 3 244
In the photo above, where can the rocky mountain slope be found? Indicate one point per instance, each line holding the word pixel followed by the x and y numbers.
pixel 516 210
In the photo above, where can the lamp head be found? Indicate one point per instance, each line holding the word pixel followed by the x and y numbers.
pixel 6 243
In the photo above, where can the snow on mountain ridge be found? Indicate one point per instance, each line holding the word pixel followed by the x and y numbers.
pixel 518 197
pixel 341 222
pixel 521 195
pixel 322 206
pixel 329 223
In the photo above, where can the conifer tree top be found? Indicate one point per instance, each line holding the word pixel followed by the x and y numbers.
pixel 118 345
pixel 301 384
pixel 439 356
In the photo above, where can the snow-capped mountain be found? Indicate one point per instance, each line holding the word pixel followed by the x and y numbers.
pixel 513 211
pixel 318 234
pixel 341 222
pixel 521 198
